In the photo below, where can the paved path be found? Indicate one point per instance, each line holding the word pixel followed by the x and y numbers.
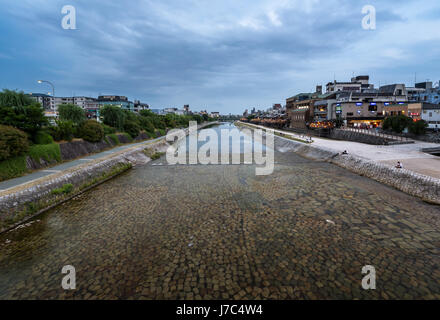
pixel 410 155
pixel 4 185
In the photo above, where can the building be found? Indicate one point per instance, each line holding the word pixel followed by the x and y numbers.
pixel 415 92
pixel 324 107
pixel 215 114
pixel 157 111
pixel 359 109
pixel 139 106
pixel 410 109
pixel 45 100
pixel 431 114
pixel 357 84
pixel 300 109
pixel 431 95
pixel 397 90
pixel 51 104
pixel 117 101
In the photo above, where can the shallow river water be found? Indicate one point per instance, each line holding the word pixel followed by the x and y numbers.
pixel 221 232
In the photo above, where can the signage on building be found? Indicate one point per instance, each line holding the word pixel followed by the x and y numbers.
pixel 338 109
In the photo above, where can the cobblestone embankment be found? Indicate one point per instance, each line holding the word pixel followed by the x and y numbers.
pixel 422 186
pixel 26 201
pixel 18 204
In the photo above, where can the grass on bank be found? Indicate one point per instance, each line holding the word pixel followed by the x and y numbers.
pixel 48 152
pixel 16 167
pixel 65 189
pixel 114 138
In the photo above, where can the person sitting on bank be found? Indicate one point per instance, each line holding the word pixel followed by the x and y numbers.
pixel 344 152
pixel 399 165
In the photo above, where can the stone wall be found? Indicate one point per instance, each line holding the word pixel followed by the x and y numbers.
pixel 357 137
pixel 79 148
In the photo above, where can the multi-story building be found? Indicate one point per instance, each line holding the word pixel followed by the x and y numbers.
pixel 139 106
pixel 300 109
pixel 118 101
pixel 415 92
pixel 357 84
pixel 431 114
pixel 45 100
pixel 367 109
pixel 430 95
pixel 410 109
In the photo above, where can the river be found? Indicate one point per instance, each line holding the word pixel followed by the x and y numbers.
pixel 221 232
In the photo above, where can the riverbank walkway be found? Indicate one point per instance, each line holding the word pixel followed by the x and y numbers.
pixel 410 155
pixel 12 183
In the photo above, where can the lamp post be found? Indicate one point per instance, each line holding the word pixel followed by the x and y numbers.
pixel 53 87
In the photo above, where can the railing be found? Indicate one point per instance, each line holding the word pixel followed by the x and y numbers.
pixel 377 133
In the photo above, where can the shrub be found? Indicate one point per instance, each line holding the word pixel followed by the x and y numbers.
pixel 157 155
pixel 63 130
pixel 42 137
pixel 13 142
pixel 12 168
pixel 146 124
pixel 418 127
pixel 71 112
pixel 65 189
pixel 49 152
pixel 108 129
pixel 132 128
pixel 91 131
pixel 399 123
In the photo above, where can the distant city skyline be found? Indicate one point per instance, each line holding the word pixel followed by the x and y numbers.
pixel 216 55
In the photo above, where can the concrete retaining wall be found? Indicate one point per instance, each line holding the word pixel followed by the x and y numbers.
pixel 357 137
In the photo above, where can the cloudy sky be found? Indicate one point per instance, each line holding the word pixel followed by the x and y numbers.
pixel 223 55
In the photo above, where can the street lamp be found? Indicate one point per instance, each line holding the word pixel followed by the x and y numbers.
pixel 53 87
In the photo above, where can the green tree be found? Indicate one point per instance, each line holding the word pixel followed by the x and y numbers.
pixel 146 124
pixel 63 130
pixel 132 128
pixel 71 112
pixel 397 123
pixel 20 111
pixel 113 116
pixel 10 98
pixel 418 127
